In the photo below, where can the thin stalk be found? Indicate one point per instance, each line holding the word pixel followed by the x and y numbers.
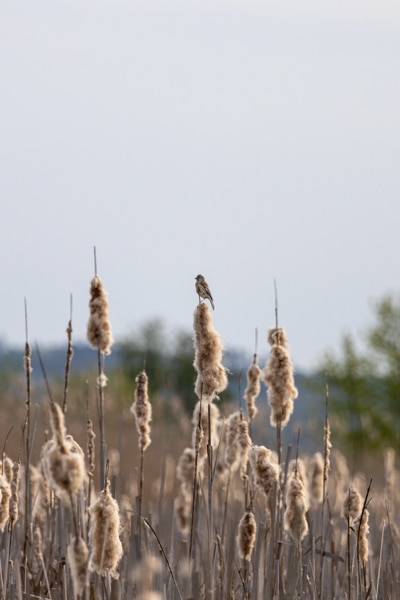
pixel 103 447
pixel 27 428
pixel 210 507
pixel 140 497
pixel 226 507
pixel 324 488
pixel 68 359
pixel 348 550
pixel 165 557
pixel 195 486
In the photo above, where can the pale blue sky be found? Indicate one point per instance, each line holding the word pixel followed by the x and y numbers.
pixel 243 140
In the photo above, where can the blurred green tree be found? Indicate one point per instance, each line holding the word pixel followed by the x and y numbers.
pixel 365 385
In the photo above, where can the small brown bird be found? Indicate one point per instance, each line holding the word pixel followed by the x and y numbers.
pixel 203 289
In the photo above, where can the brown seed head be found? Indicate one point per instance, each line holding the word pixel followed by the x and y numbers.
pixel 141 408
pixel 278 376
pixel 247 532
pixel 106 547
pixel 99 332
pixel 211 374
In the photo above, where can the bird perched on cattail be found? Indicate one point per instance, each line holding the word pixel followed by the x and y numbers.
pixel 203 289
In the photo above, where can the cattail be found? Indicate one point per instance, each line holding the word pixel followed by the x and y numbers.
pixel 232 456
pixel 37 540
pixel 102 380
pixel 126 512
pixel 40 491
pixel 106 547
pixel 253 388
pixel 144 574
pixel 246 537
pixel 327 450
pixel 244 443
pixel 353 504
pixel 63 465
pixel 91 436
pixel 295 514
pixel 14 500
pixel 183 502
pixel 316 478
pixel 363 530
pixel 141 408
pixel 200 425
pixel 221 467
pixel 65 470
pixel 6 468
pixel 27 359
pixel 297 468
pixel 57 422
pixel 99 328
pixel 182 509
pixel 278 376
pixel 265 472
pixel 238 443
pixel 211 374
pixel 389 458
pixel 77 558
pixel 339 480
pixel 185 467
pixel 5 493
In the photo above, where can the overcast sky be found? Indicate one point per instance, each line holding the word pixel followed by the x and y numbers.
pixel 248 141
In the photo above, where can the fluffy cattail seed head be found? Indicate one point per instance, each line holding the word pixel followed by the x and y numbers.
pixel 106 547
pixel 295 515
pixel 200 420
pixel 99 332
pixel 238 443
pixel 211 374
pixel 253 388
pixel 185 467
pixel 91 436
pixel 246 537
pixel 78 554
pixel 6 468
pixel 363 530
pixel 5 493
pixel 278 376
pixel 327 449
pixel 353 504
pixel 316 478
pixel 14 485
pixel 265 471
pixel 64 467
pixel 182 508
pixel 141 408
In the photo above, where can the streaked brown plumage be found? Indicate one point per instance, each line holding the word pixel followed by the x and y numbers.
pixel 203 289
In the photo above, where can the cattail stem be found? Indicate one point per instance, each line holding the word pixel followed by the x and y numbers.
pixel 68 359
pixel 103 446
pixel 210 506
pixel 226 507
pixel 327 449
pixel 140 497
pixel 27 427
pixel 195 484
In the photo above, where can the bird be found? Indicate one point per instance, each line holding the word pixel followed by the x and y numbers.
pixel 203 289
